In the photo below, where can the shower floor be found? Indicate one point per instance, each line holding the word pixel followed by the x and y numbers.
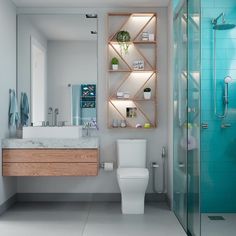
pixel 217 227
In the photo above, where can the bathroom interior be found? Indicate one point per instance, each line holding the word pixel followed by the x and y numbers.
pixel 118 118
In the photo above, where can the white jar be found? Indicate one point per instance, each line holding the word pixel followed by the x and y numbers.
pixel 114 66
pixel 147 95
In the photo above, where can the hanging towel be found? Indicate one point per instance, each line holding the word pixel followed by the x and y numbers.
pixel 24 109
pixel 13 110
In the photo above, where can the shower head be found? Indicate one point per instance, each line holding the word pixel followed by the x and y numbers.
pixel 223 26
pixel 228 80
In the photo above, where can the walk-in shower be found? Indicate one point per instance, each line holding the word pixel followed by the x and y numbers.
pixel 204 107
pixel 220 26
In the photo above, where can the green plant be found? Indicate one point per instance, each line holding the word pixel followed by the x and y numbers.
pixel 123 38
pixel 147 90
pixel 114 61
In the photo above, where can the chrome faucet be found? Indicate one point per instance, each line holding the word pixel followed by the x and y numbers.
pixel 56 113
pixel 50 112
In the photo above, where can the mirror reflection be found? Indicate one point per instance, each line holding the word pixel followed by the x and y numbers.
pixel 57 69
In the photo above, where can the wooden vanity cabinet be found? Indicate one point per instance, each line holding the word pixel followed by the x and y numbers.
pixel 50 162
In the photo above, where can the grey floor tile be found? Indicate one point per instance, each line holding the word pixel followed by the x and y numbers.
pixel 106 220
pixel 226 227
pixel 44 219
pixel 84 219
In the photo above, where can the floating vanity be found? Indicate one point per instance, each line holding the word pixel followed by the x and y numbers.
pixel 50 157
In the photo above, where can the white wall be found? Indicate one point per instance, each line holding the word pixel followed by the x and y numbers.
pixel 106 181
pixel 69 62
pixel 7 81
pixel 170 104
pixel 25 31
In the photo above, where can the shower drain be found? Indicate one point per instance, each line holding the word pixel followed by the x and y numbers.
pixel 216 217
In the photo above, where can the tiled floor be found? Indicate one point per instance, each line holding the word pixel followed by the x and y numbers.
pixel 225 227
pixel 87 219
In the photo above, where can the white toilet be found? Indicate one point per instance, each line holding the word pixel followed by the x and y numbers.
pixel 132 174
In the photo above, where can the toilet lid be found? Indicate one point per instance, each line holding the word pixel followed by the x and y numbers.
pixel 132 173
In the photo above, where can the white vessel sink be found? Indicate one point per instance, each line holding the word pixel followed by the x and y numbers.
pixel 71 132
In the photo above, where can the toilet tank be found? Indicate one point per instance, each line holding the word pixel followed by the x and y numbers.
pixel 131 153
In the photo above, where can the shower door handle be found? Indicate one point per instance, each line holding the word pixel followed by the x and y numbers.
pixel 204 126
pixel 181 165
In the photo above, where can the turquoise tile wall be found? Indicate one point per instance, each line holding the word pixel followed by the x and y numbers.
pixel 218 146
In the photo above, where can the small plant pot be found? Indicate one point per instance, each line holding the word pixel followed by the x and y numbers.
pixel 115 67
pixel 147 95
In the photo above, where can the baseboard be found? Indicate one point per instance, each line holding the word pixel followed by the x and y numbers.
pixel 7 204
pixel 82 197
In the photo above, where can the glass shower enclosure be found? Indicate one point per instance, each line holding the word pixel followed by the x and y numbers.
pixel 205 116
pixel 186 22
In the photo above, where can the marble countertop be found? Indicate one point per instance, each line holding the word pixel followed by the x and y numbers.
pixel 81 143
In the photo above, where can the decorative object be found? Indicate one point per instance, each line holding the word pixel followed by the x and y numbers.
pixel 138 65
pixel 123 124
pixel 88 96
pixel 120 94
pixel 138 126
pixel 151 37
pixel 147 93
pixel 131 112
pixel 123 38
pixel 126 95
pixel 114 63
pixel 115 123
pixel 145 36
pixel 147 126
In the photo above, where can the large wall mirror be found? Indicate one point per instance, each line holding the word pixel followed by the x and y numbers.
pixel 57 68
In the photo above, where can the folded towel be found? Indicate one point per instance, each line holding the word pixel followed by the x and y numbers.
pixel 24 109
pixel 13 110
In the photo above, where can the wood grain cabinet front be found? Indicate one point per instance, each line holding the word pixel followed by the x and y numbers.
pixel 50 162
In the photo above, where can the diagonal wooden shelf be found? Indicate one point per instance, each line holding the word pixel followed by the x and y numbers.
pixel 130 80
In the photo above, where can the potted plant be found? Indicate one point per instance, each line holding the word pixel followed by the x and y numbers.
pixel 123 38
pixel 114 63
pixel 147 93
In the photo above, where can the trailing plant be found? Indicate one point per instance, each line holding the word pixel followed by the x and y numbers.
pixel 123 38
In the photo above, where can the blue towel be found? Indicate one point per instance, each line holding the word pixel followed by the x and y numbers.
pixel 24 109
pixel 13 110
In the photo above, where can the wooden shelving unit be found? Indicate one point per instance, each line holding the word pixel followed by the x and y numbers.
pixel 127 79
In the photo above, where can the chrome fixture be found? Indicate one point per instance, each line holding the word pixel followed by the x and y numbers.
pixel 56 113
pixel 227 80
pixel 225 125
pixel 204 126
pixel 155 166
pixel 222 26
pixel 50 112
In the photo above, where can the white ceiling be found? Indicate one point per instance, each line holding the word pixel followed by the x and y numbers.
pixel 64 27
pixel 91 3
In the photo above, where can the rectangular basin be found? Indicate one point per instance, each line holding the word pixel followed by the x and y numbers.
pixel 70 132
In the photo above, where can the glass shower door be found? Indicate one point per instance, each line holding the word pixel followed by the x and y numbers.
pixel 194 67
pixel 180 111
pixel 187 114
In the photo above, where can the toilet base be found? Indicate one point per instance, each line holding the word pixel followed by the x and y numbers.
pixel 132 203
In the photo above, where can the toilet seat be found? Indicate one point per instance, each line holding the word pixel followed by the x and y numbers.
pixel 132 173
